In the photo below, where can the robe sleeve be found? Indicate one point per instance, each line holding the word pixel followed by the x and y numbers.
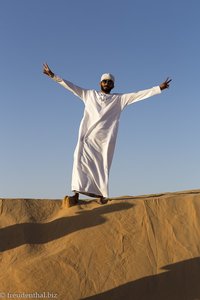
pixel 76 90
pixel 130 98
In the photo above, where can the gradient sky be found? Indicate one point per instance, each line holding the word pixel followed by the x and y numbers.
pixel 141 42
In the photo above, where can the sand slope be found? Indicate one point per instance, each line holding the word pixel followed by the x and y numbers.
pixel 141 248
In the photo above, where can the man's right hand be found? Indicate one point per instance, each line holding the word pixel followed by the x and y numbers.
pixel 47 71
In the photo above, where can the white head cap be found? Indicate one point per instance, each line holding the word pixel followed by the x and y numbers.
pixel 108 76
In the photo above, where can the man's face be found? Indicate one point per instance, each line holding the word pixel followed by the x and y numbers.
pixel 106 85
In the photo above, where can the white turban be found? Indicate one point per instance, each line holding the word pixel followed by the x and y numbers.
pixel 108 76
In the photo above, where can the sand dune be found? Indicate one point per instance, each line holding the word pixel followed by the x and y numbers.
pixel 141 248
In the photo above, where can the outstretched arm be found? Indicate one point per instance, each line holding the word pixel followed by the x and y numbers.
pixel 165 85
pixel 130 98
pixel 76 90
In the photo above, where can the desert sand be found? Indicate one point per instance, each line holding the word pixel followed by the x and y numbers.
pixel 138 248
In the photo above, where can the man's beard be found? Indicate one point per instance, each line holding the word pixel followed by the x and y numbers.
pixel 106 89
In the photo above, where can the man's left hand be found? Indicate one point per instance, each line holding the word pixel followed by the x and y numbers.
pixel 165 84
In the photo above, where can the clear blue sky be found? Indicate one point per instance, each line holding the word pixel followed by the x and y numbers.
pixel 141 42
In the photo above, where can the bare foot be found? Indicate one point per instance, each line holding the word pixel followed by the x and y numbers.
pixel 102 200
pixel 69 201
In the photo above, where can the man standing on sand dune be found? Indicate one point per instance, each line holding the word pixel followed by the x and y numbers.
pixel 98 132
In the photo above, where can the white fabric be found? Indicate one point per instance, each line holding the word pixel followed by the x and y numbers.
pixel 108 76
pixel 97 135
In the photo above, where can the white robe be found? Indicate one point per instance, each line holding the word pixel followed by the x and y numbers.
pixel 97 135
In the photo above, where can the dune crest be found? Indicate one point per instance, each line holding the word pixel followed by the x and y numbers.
pixel 143 248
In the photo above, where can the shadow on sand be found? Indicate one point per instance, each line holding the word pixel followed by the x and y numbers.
pixel 181 281
pixel 38 233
